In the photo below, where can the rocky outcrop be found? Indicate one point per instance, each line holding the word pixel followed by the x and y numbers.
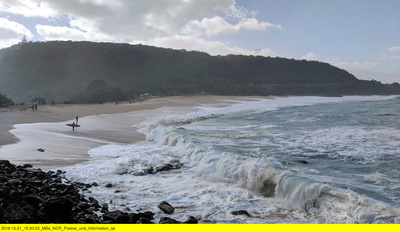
pixel 166 207
pixel 167 220
pixel 29 195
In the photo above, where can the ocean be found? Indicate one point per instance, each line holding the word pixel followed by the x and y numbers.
pixel 281 159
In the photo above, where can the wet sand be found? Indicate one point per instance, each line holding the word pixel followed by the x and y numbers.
pixel 101 124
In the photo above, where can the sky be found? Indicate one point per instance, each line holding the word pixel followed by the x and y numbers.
pixel 356 35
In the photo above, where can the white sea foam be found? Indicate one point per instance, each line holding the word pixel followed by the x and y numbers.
pixel 215 181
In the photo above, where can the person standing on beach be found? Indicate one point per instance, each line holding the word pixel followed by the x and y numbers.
pixel 76 119
pixel 73 126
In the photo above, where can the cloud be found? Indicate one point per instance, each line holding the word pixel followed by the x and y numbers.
pixel 217 25
pixel 128 19
pixel 253 24
pixel 209 26
pixel 122 18
pixel 394 49
pixel 180 24
pixel 309 56
pixel 12 32
pixel 389 57
pixel 134 19
pixel 367 65
pixel 385 60
pixel 79 30
pixel 240 11
pixel 10 29
pixel 60 33
pixel 199 44
pixel 28 8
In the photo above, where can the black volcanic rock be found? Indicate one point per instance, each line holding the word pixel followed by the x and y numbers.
pixel 58 208
pixel 167 167
pixel 166 207
pixel 191 220
pixel 15 214
pixel 167 220
pixel 117 217
pixel 241 212
pixel 29 195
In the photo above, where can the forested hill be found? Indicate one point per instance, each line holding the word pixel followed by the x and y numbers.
pixel 96 72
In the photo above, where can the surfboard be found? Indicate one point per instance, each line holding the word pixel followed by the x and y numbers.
pixel 76 125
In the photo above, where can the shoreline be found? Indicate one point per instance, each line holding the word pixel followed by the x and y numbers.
pixel 24 131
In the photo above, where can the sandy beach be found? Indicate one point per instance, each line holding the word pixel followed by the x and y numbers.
pixel 24 131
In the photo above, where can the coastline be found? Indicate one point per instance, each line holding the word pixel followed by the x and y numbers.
pixel 24 131
pixel 202 180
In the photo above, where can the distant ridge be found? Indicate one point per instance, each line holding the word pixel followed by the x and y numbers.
pixel 97 72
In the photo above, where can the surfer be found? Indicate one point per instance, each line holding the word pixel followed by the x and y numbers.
pixel 73 126
pixel 76 119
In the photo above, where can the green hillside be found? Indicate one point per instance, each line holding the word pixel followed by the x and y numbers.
pixel 94 72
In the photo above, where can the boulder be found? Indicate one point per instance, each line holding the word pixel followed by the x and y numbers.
pixel 117 217
pixel 94 202
pixel 15 182
pixel 241 212
pixel 33 199
pixel 33 212
pixel 92 218
pixel 58 209
pixel 2 220
pixel 142 218
pixel 167 220
pixel 191 220
pixel 15 214
pixel 166 207
pixel 167 167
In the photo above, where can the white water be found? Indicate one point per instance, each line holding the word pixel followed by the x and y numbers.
pixel 235 160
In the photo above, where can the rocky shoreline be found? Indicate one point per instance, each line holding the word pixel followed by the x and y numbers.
pixel 30 195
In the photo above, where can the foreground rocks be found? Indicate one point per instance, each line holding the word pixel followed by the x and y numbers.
pixel 29 195
pixel 166 207
pixel 241 212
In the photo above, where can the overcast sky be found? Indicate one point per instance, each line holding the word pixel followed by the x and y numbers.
pixel 350 34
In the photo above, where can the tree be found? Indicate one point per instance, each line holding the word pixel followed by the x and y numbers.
pixel 5 101
pixel 24 40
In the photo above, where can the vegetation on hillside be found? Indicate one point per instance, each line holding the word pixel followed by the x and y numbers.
pixel 99 72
